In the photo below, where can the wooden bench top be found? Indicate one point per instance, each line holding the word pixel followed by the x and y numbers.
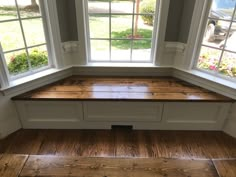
pixel 122 88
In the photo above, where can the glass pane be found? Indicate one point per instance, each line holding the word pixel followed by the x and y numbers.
pixel 99 50
pixel 95 6
pixel 29 8
pixel 38 57
pixel 209 59
pixel 121 6
pixel 142 28
pixel 145 7
pixel 141 50
pixel 231 42
pixel 121 26
pixel 222 9
pixel 17 62
pixel 120 50
pixel 228 64
pixel 10 36
pixel 99 26
pixel 216 33
pixel 7 10
pixel 34 32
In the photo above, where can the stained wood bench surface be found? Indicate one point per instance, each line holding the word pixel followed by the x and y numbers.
pixel 122 88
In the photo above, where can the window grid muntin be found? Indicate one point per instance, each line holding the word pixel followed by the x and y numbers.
pixel 110 39
pixel 216 72
pixel 26 47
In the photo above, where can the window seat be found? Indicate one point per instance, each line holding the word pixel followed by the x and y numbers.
pixel 155 103
pixel 122 88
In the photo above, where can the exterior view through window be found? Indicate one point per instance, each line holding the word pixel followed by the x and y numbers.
pixel 23 44
pixel 218 49
pixel 121 30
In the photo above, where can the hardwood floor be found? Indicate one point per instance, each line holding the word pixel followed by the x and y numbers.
pixel 53 153
pixel 121 143
pixel 123 88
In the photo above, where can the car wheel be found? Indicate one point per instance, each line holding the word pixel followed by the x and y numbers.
pixel 209 34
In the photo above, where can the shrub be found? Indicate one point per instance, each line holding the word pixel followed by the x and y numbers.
pixel 19 63
pixel 148 7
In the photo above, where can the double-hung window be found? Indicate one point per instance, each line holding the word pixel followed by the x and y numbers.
pixel 24 48
pixel 218 48
pixel 121 30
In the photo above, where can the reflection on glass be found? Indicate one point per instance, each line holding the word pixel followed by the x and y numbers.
pixel 11 36
pixel 228 64
pixel 29 8
pixel 34 31
pixel 119 6
pixel 120 50
pixel 38 57
pixel 99 26
pixel 121 26
pixel 231 41
pixel 222 9
pixel 209 58
pixel 17 62
pixel 100 50
pixel 98 6
pixel 141 50
pixel 7 10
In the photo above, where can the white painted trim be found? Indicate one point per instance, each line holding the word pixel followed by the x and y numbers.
pixel 163 16
pixel 199 16
pixel 54 33
pixel 175 47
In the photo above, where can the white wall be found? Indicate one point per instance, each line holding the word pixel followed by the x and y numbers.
pixel 9 121
pixel 230 124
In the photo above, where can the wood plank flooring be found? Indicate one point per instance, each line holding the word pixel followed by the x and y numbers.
pixel 122 88
pixel 64 166
pixel 121 143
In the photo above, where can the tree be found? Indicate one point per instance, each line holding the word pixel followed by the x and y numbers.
pixel 136 19
pixel 33 6
pixel 34 3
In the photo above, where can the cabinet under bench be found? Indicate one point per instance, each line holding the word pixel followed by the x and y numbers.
pixel 163 103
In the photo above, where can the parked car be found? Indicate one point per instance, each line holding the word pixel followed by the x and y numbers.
pixel 217 26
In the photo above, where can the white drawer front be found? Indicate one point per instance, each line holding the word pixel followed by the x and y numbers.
pixel 122 111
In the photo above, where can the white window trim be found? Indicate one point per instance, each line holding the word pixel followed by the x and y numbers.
pixel 158 40
pixel 53 38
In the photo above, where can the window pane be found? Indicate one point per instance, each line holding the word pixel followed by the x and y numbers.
pixel 120 50
pixel 100 50
pixel 119 6
pixel 17 62
pixel 11 36
pixel 146 7
pixel 7 10
pixel 38 57
pixel 141 50
pixel 142 28
pixel 34 31
pixel 99 26
pixel 121 26
pixel 29 8
pixel 216 33
pixel 209 59
pixel 228 64
pixel 95 6
pixel 222 9
pixel 231 42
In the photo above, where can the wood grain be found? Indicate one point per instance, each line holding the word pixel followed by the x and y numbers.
pixel 50 166
pixel 122 88
pixel 11 165
pixel 121 142
pixel 226 168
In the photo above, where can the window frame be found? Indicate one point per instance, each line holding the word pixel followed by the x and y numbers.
pixel 197 31
pixel 157 40
pixel 53 44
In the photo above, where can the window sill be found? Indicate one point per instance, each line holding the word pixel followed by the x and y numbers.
pixel 33 80
pixel 101 64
